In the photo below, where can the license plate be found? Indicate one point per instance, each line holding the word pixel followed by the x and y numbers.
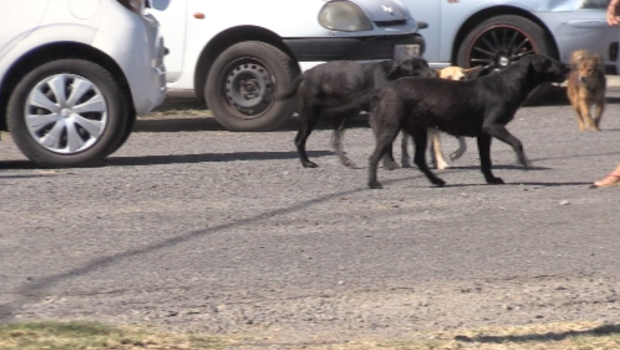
pixel 401 51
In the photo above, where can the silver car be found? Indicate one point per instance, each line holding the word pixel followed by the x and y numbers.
pixel 496 33
pixel 74 75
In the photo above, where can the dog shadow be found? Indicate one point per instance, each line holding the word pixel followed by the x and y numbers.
pixel 600 331
pixel 166 159
pixel 500 166
pixel 206 123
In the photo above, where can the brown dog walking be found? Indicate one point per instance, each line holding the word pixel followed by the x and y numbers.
pixel 586 88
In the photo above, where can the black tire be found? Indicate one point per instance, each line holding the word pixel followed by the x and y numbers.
pixel 56 132
pixel 500 41
pixel 242 83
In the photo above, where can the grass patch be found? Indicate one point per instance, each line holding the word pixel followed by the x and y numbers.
pixel 180 105
pixel 96 336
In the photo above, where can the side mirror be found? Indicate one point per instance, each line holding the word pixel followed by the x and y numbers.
pixel 422 25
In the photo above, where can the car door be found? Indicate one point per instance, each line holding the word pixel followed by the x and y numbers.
pixel 18 19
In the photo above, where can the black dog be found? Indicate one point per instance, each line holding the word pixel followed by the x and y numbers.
pixel 330 84
pixel 478 108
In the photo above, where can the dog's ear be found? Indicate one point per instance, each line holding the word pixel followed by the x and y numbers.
pixel 395 72
pixel 401 68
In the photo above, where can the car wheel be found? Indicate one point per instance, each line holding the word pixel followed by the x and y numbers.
pixel 68 112
pixel 241 86
pixel 500 41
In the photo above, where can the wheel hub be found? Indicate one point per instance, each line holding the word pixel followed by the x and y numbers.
pixel 247 88
pixel 65 113
pixel 503 61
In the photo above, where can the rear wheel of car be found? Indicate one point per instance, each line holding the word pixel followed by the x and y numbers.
pixel 241 85
pixel 500 41
pixel 68 112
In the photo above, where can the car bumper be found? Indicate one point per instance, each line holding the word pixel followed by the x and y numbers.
pixel 358 49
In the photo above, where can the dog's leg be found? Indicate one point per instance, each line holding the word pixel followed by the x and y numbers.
pixel 405 158
pixel 389 163
pixel 484 151
pixel 580 122
pixel 598 110
pixel 385 132
pixel 501 133
pixel 308 122
pixel 420 139
pixel 339 128
pixel 459 151
pixel 586 116
pixel 437 158
pixel 384 139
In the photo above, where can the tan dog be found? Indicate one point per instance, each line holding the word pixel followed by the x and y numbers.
pixel 437 157
pixel 586 88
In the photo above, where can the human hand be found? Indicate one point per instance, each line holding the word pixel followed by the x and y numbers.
pixel 612 13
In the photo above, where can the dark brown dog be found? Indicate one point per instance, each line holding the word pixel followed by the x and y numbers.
pixel 330 84
pixel 586 88
pixel 478 108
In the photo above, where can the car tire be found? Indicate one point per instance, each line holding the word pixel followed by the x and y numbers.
pixel 68 112
pixel 499 41
pixel 242 83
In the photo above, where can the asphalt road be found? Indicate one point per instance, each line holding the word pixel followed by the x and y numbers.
pixel 195 228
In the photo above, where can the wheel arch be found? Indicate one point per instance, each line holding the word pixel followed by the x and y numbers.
pixel 52 52
pixel 224 40
pixel 485 14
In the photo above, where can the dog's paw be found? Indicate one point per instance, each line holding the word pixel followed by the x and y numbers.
pixel 375 185
pixel 525 162
pixel 348 163
pixel 438 182
pixel 495 181
pixel 390 166
pixel 442 166
pixel 309 165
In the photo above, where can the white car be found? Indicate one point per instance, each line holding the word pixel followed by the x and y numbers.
pixel 236 54
pixel 75 73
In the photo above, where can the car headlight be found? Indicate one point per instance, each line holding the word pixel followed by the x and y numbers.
pixel 136 6
pixel 344 16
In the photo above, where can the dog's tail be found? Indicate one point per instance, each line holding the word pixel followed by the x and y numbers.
pixel 285 95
